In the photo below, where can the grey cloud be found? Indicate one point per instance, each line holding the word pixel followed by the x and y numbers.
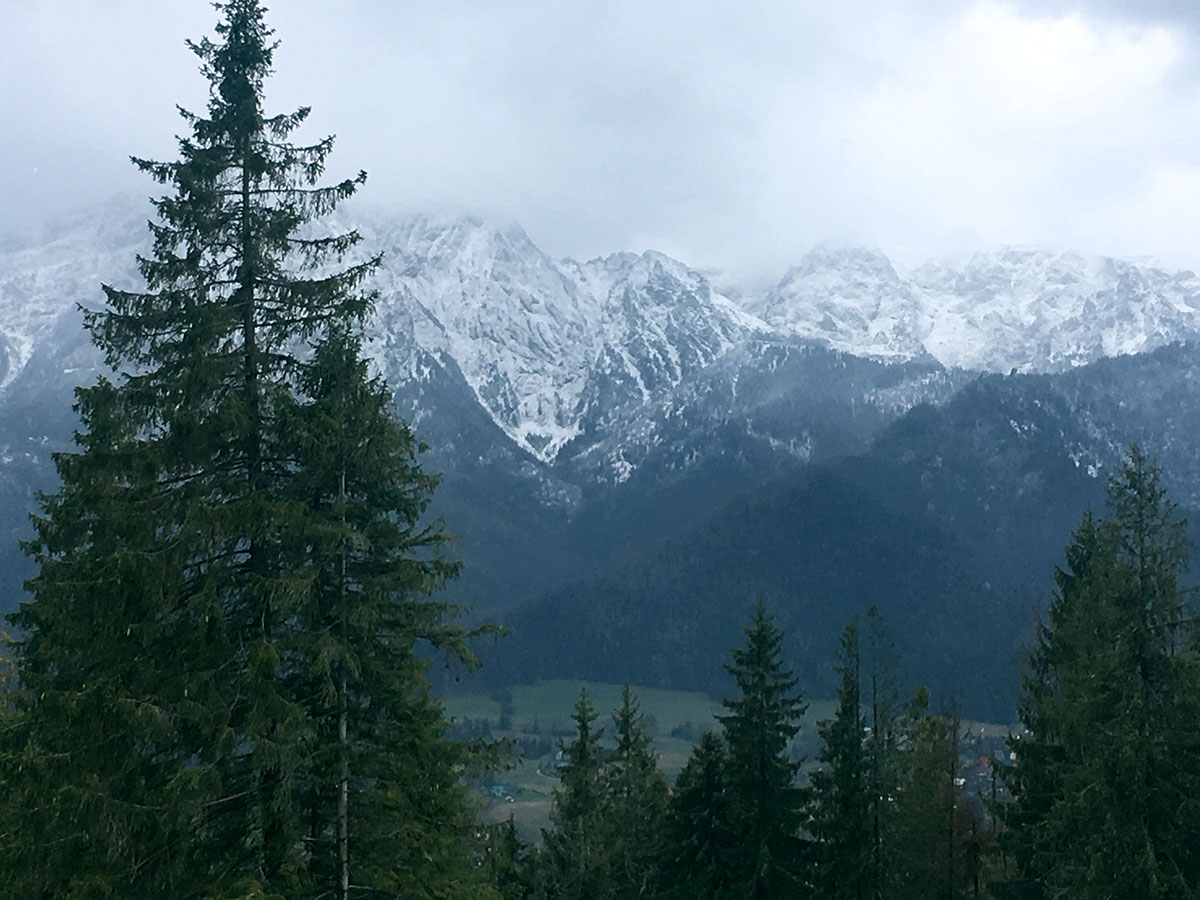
pixel 729 134
pixel 1171 12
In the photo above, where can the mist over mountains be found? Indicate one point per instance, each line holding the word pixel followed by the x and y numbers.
pixel 631 456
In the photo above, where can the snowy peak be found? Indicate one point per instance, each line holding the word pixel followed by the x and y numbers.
pixel 516 327
pixel 658 302
pixel 850 298
pixel 661 323
pixel 552 350
pixel 49 270
pixel 530 335
pixel 542 343
pixel 1036 310
pixel 999 310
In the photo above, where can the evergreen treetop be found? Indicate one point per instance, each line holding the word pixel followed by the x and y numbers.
pixel 574 861
pixel 221 693
pixel 839 820
pixel 700 843
pixel 635 804
pixel 1106 775
pixel 766 804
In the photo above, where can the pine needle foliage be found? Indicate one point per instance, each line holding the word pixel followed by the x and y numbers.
pixel 221 693
pixel 766 804
pixel 700 843
pixel 383 803
pixel 1107 777
pixel 635 805
pixel 840 814
pixel 928 849
pixel 882 751
pixel 574 861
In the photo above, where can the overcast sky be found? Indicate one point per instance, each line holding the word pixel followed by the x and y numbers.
pixel 728 134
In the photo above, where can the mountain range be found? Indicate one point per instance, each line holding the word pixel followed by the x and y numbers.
pixel 631 454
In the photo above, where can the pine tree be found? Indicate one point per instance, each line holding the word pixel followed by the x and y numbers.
pixel 378 765
pixel 928 851
pixel 882 753
pixel 840 817
pixel 1107 777
pixel 509 862
pixel 123 725
pixel 766 805
pixel 10 812
pixel 1035 780
pixel 220 693
pixel 573 862
pixel 700 842
pixel 854 818
pixel 634 806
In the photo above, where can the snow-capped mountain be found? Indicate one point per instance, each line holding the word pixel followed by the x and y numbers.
pixel 582 413
pixel 850 298
pixel 46 272
pixel 1033 310
pixel 601 360
pixel 544 344
pixel 563 354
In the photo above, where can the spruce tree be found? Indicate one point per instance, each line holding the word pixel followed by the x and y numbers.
pixel 634 806
pixel 700 844
pixel 880 694
pixel 1035 780
pixel 384 805
pixel 766 804
pixel 928 851
pixel 10 813
pixel 1106 780
pixel 220 694
pixel 573 863
pixel 840 810
pixel 509 862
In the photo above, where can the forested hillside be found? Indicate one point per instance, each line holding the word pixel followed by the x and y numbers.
pixel 951 523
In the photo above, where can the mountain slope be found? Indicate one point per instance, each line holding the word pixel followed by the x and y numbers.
pixel 626 450
pixel 951 523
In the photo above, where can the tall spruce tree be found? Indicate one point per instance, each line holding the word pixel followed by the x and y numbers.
pixel 509 862
pixel 634 806
pixel 927 847
pixel 853 810
pixel 219 690
pixel 840 812
pixel 883 756
pixel 10 813
pixel 1035 780
pixel 1107 779
pixel 700 844
pixel 383 807
pixel 574 864
pixel 766 804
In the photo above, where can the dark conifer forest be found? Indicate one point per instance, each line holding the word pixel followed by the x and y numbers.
pixel 221 685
